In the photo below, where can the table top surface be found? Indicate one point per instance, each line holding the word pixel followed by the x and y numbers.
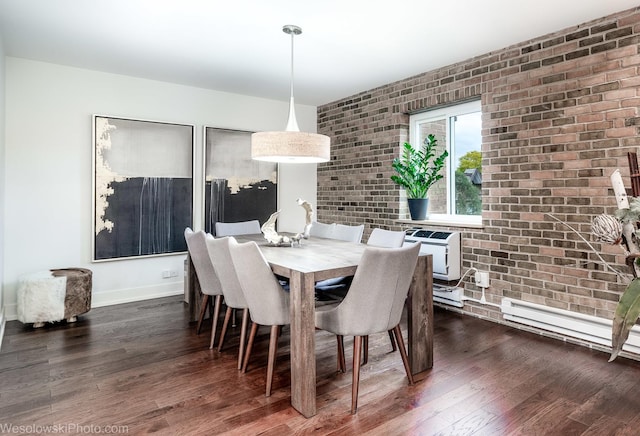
pixel 312 255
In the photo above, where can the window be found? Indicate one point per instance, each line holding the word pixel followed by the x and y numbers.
pixel 457 198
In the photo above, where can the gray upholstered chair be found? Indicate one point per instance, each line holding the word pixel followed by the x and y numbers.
pixel 233 295
pixel 348 233
pixel 322 230
pixel 373 304
pixel 207 278
pixel 240 228
pixel 268 302
pixel 344 233
pixel 385 238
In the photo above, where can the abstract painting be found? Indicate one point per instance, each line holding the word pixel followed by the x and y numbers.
pixel 143 187
pixel 237 188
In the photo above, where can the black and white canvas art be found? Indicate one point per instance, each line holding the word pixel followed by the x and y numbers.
pixel 143 187
pixel 237 188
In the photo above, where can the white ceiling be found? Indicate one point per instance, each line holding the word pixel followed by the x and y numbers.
pixel 347 46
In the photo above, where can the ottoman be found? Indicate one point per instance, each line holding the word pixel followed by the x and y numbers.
pixel 54 295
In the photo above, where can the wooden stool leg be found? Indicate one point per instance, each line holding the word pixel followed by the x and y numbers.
pixel 225 325
pixel 403 352
pixel 214 319
pixel 203 309
pixel 271 363
pixel 243 335
pixel 357 349
pixel 252 336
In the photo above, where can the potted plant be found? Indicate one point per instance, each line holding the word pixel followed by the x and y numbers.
pixel 418 169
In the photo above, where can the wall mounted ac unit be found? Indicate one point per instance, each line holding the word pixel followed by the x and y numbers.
pixel 445 248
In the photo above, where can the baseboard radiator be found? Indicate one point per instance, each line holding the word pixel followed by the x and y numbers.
pixel 576 325
pixel 449 295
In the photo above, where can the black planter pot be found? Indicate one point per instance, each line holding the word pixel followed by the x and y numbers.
pixel 418 208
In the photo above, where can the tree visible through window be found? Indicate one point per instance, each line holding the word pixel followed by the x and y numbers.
pixel 458 129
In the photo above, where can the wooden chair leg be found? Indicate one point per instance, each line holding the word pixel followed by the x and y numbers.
pixel 365 349
pixel 203 309
pixel 243 335
pixel 357 349
pixel 403 352
pixel 225 325
pixel 252 336
pixel 271 363
pixel 393 342
pixel 214 319
pixel 342 367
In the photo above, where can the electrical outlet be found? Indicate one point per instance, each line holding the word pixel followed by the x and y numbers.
pixel 166 274
pixel 482 279
pixel 174 273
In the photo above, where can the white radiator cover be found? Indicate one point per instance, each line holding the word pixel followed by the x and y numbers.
pixel 443 246
pixel 585 327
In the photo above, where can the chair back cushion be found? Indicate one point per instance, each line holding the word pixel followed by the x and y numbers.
pixel 221 257
pixel 322 230
pixel 197 246
pixel 377 294
pixel 385 238
pixel 240 228
pixel 348 233
pixel 268 302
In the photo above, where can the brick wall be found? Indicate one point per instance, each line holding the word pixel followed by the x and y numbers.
pixel 559 115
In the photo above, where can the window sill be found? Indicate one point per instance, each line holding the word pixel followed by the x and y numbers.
pixel 446 221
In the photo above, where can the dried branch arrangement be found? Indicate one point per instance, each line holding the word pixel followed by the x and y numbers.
pixel 623 229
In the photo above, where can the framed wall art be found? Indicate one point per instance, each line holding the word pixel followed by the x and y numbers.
pixel 142 187
pixel 237 188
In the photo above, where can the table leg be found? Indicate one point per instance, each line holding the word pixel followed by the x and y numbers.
pixel 303 353
pixel 420 316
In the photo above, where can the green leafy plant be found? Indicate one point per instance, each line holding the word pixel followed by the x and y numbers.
pixel 418 169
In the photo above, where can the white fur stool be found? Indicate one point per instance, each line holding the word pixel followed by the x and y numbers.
pixel 54 295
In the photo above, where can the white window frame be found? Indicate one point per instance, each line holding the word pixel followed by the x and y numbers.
pixel 450 218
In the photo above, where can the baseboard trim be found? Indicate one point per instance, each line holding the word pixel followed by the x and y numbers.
pixel 566 323
pixel 119 296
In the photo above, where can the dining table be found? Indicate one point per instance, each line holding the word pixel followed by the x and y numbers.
pixel 315 259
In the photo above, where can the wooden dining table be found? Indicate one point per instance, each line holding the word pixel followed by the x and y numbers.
pixel 316 259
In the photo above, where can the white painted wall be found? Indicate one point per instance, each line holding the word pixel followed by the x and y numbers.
pixel 48 203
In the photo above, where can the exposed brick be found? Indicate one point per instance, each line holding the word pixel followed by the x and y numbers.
pixel 560 113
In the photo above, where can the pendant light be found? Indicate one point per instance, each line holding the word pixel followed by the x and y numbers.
pixel 290 145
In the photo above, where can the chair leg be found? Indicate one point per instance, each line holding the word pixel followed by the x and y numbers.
pixel 403 352
pixel 214 319
pixel 252 336
pixel 393 342
pixel 225 325
pixel 365 349
pixel 342 367
pixel 271 363
pixel 357 349
pixel 203 309
pixel 243 335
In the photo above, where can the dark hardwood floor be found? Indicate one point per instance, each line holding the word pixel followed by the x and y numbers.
pixel 142 366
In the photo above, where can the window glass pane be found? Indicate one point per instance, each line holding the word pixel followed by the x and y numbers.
pixel 467 163
pixel 458 129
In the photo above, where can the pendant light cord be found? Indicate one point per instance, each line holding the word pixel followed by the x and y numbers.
pixel 292 123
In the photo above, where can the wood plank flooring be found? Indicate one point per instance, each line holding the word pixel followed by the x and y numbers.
pixel 140 368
